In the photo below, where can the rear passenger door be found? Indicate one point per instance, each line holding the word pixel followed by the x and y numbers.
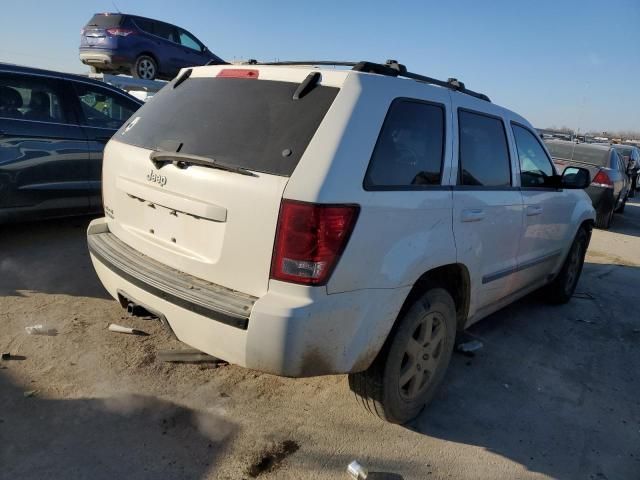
pixel 101 112
pixel 43 152
pixel 487 213
pixel 547 209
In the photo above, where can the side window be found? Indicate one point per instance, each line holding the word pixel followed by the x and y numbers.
pixel 166 31
pixel 144 24
pixel 535 166
pixel 484 155
pixel 31 98
pixel 410 147
pixel 188 41
pixel 102 108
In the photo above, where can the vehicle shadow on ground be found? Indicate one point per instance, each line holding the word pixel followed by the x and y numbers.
pixel 132 436
pixel 555 388
pixel 48 257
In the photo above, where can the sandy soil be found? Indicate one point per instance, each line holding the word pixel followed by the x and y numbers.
pixel 554 393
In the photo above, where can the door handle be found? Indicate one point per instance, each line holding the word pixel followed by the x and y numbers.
pixel 473 215
pixel 533 210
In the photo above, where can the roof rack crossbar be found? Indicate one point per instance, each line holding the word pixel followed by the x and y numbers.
pixel 391 68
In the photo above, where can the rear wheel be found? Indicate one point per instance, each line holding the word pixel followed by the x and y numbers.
pixel 407 372
pixel 564 285
pixel 145 67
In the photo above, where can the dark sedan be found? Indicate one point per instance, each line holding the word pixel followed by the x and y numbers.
pixel 53 128
pixel 609 179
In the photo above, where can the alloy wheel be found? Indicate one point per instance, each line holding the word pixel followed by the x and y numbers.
pixel 146 69
pixel 422 355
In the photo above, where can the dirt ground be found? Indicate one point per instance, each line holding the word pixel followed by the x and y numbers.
pixel 554 393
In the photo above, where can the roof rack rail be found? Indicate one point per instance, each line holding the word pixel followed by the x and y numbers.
pixel 390 68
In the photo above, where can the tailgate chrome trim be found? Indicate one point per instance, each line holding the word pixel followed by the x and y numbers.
pixel 194 294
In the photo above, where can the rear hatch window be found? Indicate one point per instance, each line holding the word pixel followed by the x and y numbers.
pixel 248 123
pixel 102 20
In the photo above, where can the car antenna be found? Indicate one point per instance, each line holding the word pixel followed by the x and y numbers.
pixel 115 6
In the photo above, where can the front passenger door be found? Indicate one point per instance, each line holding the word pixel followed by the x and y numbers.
pixel 547 209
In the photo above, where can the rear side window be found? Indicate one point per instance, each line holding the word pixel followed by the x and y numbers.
pixel 535 166
pixel 484 154
pixel 144 24
pixel 166 31
pixel 103 109
pixel 410 147
pixel 247 123
pixel 31 98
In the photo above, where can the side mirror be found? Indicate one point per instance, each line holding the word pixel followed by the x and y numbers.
pixel 576 178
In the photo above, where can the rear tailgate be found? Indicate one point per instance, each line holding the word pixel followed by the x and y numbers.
pixel 94 33
pixel 213 224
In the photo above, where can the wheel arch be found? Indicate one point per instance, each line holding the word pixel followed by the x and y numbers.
pixel 148 53
pixel 454 278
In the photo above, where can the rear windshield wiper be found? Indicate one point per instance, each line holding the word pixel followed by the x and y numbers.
pixel 183 160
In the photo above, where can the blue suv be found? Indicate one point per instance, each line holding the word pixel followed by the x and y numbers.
pixel 145 48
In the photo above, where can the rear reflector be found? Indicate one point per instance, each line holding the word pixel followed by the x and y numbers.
pixel 238 73
pixel 310 239
pixel 120 32
pixel 602 180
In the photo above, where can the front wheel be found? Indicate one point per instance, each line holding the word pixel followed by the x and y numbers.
pixel 145 67
pixel 564 285
pixel 407 372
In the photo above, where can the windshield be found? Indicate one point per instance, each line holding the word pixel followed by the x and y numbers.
pixel 247 123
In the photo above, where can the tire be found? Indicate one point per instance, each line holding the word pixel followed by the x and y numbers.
pixel 145 67
pixel 380 389
pixel 603 219
pixel 561 289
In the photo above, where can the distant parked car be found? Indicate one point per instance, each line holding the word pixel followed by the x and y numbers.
pixel 145 48
pixel 631 156
pixel 53 128
pixel 609 179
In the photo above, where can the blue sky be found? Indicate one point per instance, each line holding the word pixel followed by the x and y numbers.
pixel 574 63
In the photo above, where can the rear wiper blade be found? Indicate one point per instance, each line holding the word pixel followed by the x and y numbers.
pixel 183 160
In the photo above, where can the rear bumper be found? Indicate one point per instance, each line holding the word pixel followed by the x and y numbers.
pixel 292 330
pixel 601 197
pixel 106 58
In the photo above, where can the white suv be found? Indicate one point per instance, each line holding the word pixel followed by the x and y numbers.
pixel 305 221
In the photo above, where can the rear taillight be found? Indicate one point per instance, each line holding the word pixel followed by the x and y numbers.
pixel 238 73
pixel 602 180
pixel 120 32
pixel 309 240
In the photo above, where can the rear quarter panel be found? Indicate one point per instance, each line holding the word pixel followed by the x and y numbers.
pixel 399 235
